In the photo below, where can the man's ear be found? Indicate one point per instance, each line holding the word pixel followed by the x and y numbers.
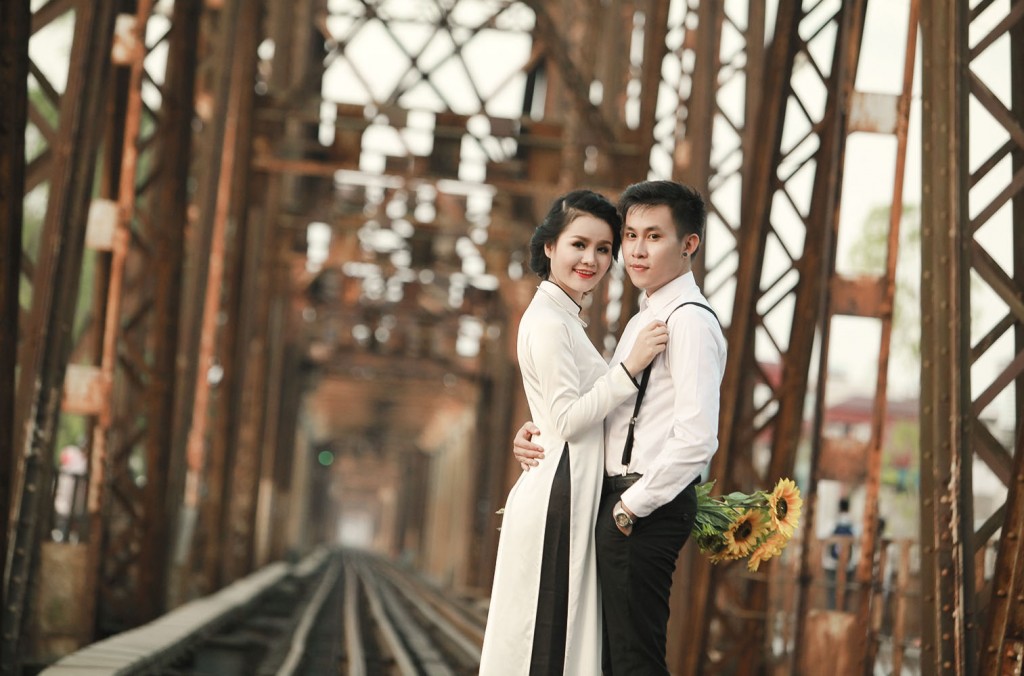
pixel 691 243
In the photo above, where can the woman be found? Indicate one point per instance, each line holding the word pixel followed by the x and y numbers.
pixel 545 614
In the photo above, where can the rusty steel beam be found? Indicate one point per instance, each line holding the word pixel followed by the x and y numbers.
pixel 203 262
pixel 812 296
pixel 813 265
pixel 169 218
pixel 692 157
pixel 764 157
pixel 551 33
pixel 947 561
pixel 240 300
pixel 53 300
pixel 870 520
pixel 124 161
pixel 14 66
pixel 1001 639
pixel 260 347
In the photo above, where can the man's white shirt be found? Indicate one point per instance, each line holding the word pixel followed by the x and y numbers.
pixel 676 431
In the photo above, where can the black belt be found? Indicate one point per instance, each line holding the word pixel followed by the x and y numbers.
pixel 621 482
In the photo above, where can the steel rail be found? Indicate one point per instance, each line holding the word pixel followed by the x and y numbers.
pixel 171 637
pixel 354 654
pixel 293 660
pixel 387 629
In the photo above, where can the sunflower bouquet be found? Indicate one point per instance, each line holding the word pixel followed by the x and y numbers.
pixel 754 526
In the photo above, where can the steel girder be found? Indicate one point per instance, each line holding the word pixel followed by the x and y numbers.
pixel 752 404
pixel 129 556
pixel 14 35
pixel 44 352
pixel 238 400
pixel 700 72
pixel 224 172
pixel 969 245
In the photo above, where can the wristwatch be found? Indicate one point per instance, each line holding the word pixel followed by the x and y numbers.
pixel 622 517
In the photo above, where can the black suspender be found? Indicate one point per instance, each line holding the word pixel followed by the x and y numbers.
pixel 627 449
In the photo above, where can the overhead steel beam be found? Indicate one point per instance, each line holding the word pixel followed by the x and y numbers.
pixel 54 296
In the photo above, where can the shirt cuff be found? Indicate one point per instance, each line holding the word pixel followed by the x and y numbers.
pixel 630 375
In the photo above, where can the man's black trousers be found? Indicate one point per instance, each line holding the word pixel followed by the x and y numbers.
pixel 636 578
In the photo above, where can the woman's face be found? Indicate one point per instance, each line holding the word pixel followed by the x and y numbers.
pixel 581 255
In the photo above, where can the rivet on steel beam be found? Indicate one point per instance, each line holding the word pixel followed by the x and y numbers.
pixel 1000 592
pixel 947 665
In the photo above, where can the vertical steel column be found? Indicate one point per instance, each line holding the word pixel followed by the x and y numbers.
pixel 240 300
pixel 54 296
pixel 169 219
pixel 125 161
pixel 248 478
pixel 740 365
pixel 202 291
pixel 692 159
pixel 1002 643
pixel 14 35
pixel 870 519
pixel 947 557
pixel 766 181
pixel 1003 640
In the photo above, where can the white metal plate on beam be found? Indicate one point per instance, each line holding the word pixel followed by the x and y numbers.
pixel 101 226
pixel 125 42
pixel 83 390
pixel 875 113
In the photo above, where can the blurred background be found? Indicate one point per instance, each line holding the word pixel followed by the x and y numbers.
pixel 262 268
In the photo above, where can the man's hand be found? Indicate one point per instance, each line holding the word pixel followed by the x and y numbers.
pixel 527 452
pixel 628 530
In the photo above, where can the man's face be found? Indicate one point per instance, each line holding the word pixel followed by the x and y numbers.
pixel 651 249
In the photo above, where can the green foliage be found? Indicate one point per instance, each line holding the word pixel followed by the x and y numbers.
pixel 868 256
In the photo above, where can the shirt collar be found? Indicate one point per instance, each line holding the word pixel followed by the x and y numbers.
pixel 660 299
pixel 562 299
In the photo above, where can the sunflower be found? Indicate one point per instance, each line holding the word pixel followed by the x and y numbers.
pixel 744 533
pixel 770 547
pixel 784 505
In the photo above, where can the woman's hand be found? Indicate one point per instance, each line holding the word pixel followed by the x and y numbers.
pixel 527 452
pixel 651 342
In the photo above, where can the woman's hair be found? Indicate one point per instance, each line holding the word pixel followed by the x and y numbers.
pixel 564 211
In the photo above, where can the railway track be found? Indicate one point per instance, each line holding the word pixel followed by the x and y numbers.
pixel 333 613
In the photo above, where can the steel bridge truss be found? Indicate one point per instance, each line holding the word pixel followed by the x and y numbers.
pixel 155 288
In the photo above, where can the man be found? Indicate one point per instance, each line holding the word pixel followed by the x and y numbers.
pixel 648 500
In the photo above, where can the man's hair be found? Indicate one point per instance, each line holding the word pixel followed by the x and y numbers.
pixel 689 213
pixel 564 211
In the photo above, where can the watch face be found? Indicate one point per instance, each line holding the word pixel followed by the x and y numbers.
pixel 622 519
